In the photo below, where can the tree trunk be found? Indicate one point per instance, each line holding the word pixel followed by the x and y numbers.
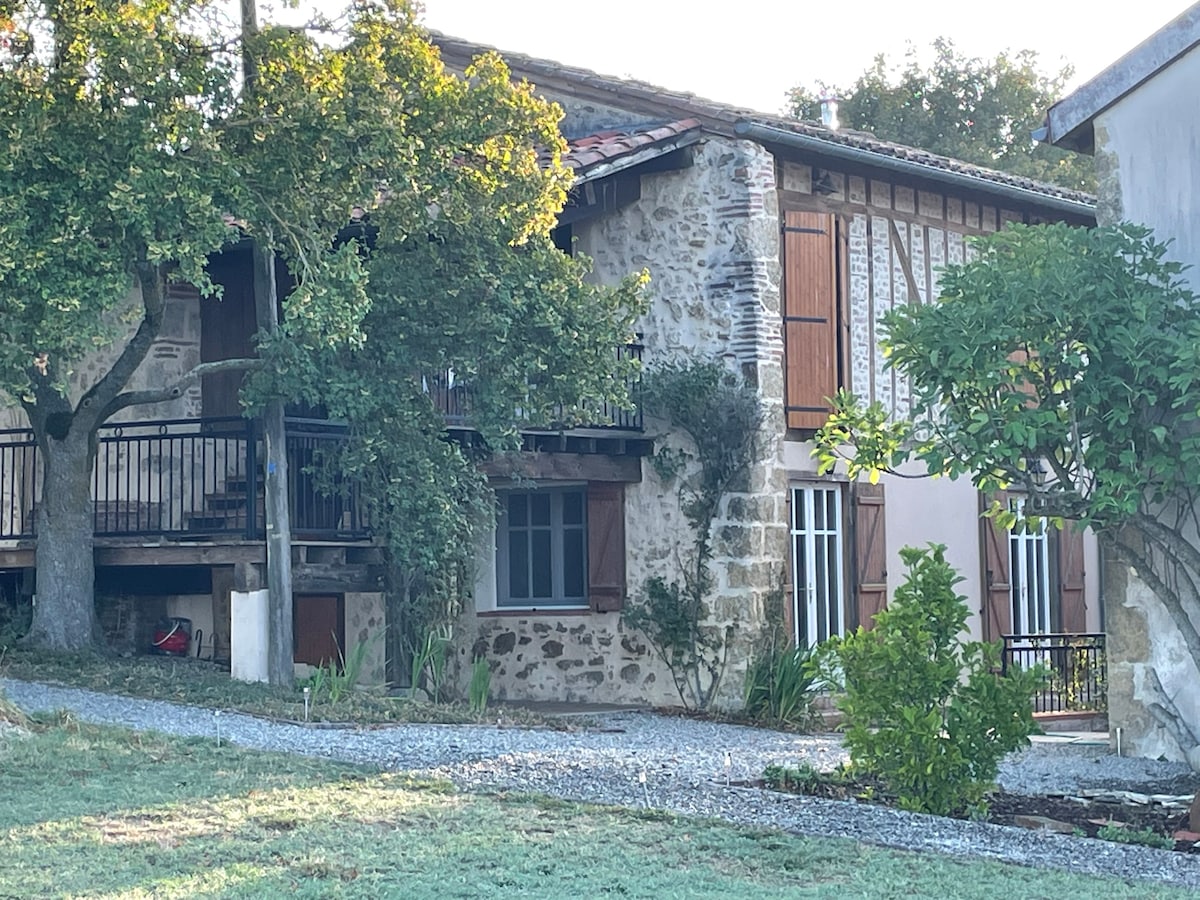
pixel 64 612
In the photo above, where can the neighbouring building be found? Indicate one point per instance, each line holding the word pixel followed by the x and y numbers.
pixel 1140 119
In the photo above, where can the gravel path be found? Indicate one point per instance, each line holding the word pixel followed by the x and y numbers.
pixel 686 764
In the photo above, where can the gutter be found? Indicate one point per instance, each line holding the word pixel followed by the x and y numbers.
pixel 770 134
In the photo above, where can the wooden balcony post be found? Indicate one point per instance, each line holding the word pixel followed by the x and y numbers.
pixel 280 667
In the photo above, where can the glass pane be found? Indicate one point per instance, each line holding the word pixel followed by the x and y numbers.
pixel 1014 580
pixel 539 505
pixel 572 508
pixel 518 565
pixel 517 508
pixel 831 510
pixel 798 510
pixel 574 565
pixel 821 579
pixel 818 511
pixel 835 595
pixel 543 582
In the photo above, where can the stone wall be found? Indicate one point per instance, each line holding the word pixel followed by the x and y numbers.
pixel 709 235
pixel 365 621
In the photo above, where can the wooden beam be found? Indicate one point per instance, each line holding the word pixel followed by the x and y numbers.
pixel 16 558
pixel 336 578
pixel 566 467
pixel 181 555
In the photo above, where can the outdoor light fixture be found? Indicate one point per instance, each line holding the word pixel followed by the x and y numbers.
pixel 1036 470
pixel 822 183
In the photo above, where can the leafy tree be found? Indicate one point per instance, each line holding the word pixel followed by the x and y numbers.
pixel 981 111
pixel 132 154
pixel 1069 351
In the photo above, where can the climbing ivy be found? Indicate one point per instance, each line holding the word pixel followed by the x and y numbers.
pixel 720 416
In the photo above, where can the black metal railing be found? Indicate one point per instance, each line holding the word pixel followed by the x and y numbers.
pixel 1075 665
pixel 177 477
pixel 322 504
pixel 452 397
pixel 20 482
pixel 189 479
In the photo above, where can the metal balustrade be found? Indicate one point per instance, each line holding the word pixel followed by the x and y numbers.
pixel 188 479
pixel 451 395
pixel 1075 665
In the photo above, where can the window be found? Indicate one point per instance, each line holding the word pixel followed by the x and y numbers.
pixel 1034 580
pixel 818 589
pixel 542 549
pixel 1029 574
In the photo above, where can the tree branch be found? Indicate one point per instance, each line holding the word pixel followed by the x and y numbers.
pixel 173 391
pixel 100 397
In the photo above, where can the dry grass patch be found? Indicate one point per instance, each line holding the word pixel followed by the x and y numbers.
pixel 100 812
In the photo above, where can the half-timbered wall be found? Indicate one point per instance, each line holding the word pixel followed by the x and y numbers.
pixel 892 240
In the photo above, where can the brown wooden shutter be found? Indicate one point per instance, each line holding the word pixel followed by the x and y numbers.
pixel 870 552
pixel 997 582
pixel 606 546
pixel 809 316
pixel 1073 605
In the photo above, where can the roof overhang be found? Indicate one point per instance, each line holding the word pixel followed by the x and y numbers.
pixel 1069 123
pixel 846 153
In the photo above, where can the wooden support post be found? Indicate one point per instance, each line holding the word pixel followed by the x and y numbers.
pixel 280 666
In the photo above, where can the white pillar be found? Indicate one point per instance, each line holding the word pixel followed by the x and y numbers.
pixel 249 635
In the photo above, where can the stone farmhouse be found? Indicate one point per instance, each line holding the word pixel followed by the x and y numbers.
pixel 1140 121
pixel 774 247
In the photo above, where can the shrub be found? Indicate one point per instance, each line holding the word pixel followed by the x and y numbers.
pixel 925 711
pixel 481 682
pixel 781 684
pixel 1146 837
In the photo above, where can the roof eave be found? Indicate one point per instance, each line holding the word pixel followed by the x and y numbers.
pixel 1070 120
pixel 639 157
pixel 1025 196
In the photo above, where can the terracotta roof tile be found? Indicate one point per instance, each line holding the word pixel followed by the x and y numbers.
pixel 587 152
pixel 720 118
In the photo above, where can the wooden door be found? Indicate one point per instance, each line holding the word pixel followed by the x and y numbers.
pixel 227 328
pixel 997 577
pixel 318 624
pixel 1072 602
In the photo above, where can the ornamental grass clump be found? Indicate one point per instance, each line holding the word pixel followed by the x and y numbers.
pixel 927 712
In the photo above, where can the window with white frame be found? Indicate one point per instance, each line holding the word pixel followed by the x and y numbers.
pixel 541 548
pixel 1029 573
pixel 818 579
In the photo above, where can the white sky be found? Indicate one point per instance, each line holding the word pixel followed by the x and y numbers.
pixel 749 52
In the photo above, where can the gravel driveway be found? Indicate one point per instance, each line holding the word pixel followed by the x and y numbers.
pixel 686 765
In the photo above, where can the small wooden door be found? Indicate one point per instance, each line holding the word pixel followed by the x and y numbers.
pixel 318 624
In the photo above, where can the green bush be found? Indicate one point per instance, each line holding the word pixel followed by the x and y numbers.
pixel 1146 837
pixel 925 711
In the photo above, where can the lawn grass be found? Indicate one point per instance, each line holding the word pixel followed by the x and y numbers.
pixel 102 812
pixel 202 683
